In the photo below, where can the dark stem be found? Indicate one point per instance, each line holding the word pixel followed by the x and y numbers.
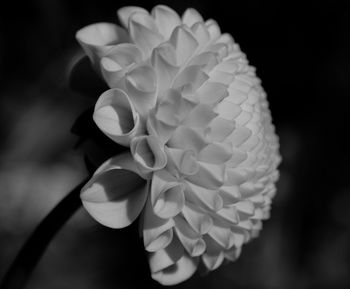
pixel 34 248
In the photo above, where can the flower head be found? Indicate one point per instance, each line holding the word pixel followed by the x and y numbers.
pixel 203 156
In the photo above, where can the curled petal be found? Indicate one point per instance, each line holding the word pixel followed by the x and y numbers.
pixel 190 239
pixel 210 198
pixel 207 60
pixel 229 214
pixel 245 208
pixel 216 153
pixel 230 194
pixel 184 160
pixel 213 29
pixel 157 232
pixel 233 253
pixel 141 85
pixel 173 108
pixel 185 44
pixel 125 13
pixel 116 63
pixel 169 255
pixel 221 77
pixel 115 196
pixel 235 176
pixel 148 153
pixel 190 78
pixel 228 110
pixel 144 32
pixel 211 176
pixel 115 115
pixel 183 269
pixel 222 235
pixel 213 256
pixel 219 128
pixel 239 135
pixel 163 60
pixel 168 110
pixel 200 32
pixel 159 129
pixel 98 39
pixel 212 93
pixel 199 220
pixel 191 16
pixel 167 195
pixel 166 18
pixel 200 116
pixel 186 138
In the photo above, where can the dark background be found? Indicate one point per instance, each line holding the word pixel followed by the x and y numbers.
pixel 302 54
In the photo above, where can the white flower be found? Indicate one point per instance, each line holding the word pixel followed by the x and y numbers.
pixel 203 153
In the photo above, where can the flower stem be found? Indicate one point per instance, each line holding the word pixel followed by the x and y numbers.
pixel 35 246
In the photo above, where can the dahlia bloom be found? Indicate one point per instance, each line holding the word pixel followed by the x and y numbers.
pixel 203 157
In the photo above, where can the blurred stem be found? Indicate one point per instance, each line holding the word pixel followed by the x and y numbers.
pixel 35 246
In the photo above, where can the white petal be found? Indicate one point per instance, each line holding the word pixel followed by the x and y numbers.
pixel 207 60
pixel 229 214
pixel 239 135
pixel 184 160
pixel 200 221
pixel 166 18
pixel 166 194
pixel 222 235
pixel 115 115
pixel 212 93
pixel 157 232
pixel 162 61
pixel 192 77
pixel 141 85
pixel 245 208
pixel 238 157
pixel 177 273
pixel 208 197
pixel 168 109
pixel 228 110
pixel 98 39
pixel 236 176
pixel 214 256
pixel 210 176
pixel 115 64
pixel 159 129
pixel 125 12
pixel 200 32
pixel 187 139
pixel 235 95
pixel 233 253
pixel 115 197
pixel 213 29
pixel 240 236
pixel 185 44
pixel 144 33
pixel 230 194
pixel 148 153
pixel 189 238
pixel 221 77
pixel 163 258
pixel 200 116
pixel 219 129
pixel 191 16
pixel 216 153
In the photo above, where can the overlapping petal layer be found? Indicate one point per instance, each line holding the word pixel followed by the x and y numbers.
pixel 203 151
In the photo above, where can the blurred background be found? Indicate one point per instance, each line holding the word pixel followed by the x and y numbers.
pixel 302 54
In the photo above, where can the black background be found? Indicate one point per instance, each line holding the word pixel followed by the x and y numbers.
pixel 302 54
